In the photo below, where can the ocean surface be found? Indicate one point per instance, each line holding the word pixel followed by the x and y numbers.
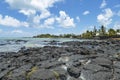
pixel 15 44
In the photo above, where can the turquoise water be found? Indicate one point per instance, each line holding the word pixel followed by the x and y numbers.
pixel 11 44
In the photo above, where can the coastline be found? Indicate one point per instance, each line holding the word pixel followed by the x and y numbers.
pixel 74 60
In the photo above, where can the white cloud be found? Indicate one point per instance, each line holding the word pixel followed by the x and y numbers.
pixel 17 31
pixel 10 21
pixel 106 17
pixel 43 4
pixel 36 10
pixel 39 15
pixel 25 24
pixel 116 26
pixel 28 7
pixel 86 12
pixel 31 4
pixel 27 12
pixel 103 4
pixel 36 19
pixel 64 20
pixel 49 21
pixel 43 15
pixel 78 18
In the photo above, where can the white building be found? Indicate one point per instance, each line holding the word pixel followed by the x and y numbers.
pixel 97 34
pixel 118 33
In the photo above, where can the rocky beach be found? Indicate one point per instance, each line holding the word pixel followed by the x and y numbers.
pixel 72 60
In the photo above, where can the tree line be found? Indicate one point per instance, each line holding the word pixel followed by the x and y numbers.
pixel 57 36
pixel 102 32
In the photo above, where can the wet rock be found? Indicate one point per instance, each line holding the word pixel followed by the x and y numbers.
pixel 5 72
pixel 95 68
pixel 73 71
pixel 17 74
pixel 4 66
pixel 101 75
pixel 116 64
pixel 49 65
pixel 62 73
pixel 43 74
pixel 105 62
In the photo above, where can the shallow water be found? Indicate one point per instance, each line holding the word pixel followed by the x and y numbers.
pixel 12 45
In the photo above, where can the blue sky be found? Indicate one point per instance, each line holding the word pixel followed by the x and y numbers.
pixel 20 18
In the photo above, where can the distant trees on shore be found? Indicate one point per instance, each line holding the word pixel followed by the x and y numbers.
pixel 88 34
pixel 57 36
pixel 101 32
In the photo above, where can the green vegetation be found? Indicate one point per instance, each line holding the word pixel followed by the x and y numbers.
pixel 112 32
pixel 57 36
pixel 102 32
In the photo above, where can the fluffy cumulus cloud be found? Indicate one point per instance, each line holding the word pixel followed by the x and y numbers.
pixel 39 15
pixel 106 17
pixel 10 21
pixel 64 20
pixel 49 21
pixel 43 15
pixel 39 5
pixel 103 4
pixel 28 7
pixel 86 12
pixel 36 10
pixel 27 12
pixel 117 26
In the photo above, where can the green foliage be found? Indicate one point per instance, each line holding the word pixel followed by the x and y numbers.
pixel 112 32
pixel 87 34
pixel 101 32
pixel 57 36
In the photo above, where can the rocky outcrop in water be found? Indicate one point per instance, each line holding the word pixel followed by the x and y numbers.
pixel 88 60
